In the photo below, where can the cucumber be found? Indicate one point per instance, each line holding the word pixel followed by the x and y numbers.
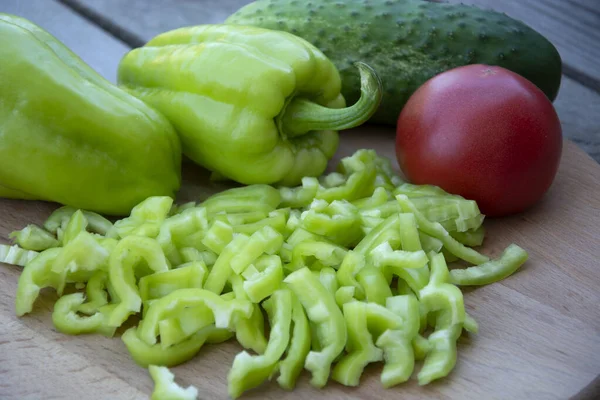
pixel 408 41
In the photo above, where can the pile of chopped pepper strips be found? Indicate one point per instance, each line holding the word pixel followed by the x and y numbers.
pixel 346 270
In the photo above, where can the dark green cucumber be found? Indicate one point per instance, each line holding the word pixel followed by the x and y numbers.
pixel 408 41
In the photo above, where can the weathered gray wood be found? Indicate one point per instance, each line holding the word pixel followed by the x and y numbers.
pixel 94 46
pixel 573 26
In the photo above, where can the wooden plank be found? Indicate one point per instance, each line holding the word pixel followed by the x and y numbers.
pixel 538 329
pixel 94 46
pixel 573 26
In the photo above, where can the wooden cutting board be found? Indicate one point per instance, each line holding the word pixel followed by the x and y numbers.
pixel 539 329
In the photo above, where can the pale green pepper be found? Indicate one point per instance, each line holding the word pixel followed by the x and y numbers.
pixel 249 332
pixel 123 260
pixel 264 241
pixel 145 218
pixel 165 387
pixel 60 217
pixel 492 271
pixel 323 312
pixel 66 320
pixel 374 284
pixel 36 275
pixel 397 344
pixel 32 237
pixel 225 312
pixel 263 278
pixel 250 371
pixel 160 284
pixel 221 270
pixel 144 354
pixel 15 255
pixel 68 135
pixel 338 221
pixel 324 255
pixel 360 346
pixel 291 366
pixel 269 117
pixel 437 231
pixel 219 235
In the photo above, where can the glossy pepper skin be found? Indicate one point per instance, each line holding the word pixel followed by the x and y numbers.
pixel 68 135
pixel 250 104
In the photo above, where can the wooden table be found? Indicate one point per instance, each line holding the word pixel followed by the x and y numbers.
pixel 540 329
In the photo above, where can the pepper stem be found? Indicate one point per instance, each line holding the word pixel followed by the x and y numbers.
pixel 302 115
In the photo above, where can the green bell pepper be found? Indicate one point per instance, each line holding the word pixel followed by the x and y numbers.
pixel 269 117
pixel 66 320
pixel 72 137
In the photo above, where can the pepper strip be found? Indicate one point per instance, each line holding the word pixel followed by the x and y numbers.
pixel 81 257
pixel 436 230
pixel 397 344
pixel 379 197
pixel 346 275
pixel 175 330
pixel 291 366
pixel 385 255
pixel 360 172
pixel 165 387
pixel 257 197
pixel 160 284
pixel 276 219
pixel 249 332
pixel 221 270
pixel 300 196
pixel 95 293
pixel 144 354
pixel 360 346
pixel 447 302
pixel 263 278
pixel 123 259
pixel 250 371
pixel 225 313
pixel 174 230
pixel 386 231
pixel 470 238
pixel 492 271
pixel 337 221
pixel 145 218
pixel 327 277
pixel 218 236
pixel 32 237
pixel 60 217
pixel 322 311
pixel 15 255
pixel 67 321
pixel 266 240
pixel 374 284
pixel 343 295
pixel 326 255
pixel 36 275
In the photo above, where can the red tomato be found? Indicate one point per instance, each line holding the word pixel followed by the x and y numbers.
pixel 484 133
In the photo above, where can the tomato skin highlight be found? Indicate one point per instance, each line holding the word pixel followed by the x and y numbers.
pixel 482 132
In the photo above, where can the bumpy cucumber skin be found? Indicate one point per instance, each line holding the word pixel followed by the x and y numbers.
pixel 408 42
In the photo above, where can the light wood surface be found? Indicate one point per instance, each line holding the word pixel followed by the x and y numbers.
pixel 539 329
